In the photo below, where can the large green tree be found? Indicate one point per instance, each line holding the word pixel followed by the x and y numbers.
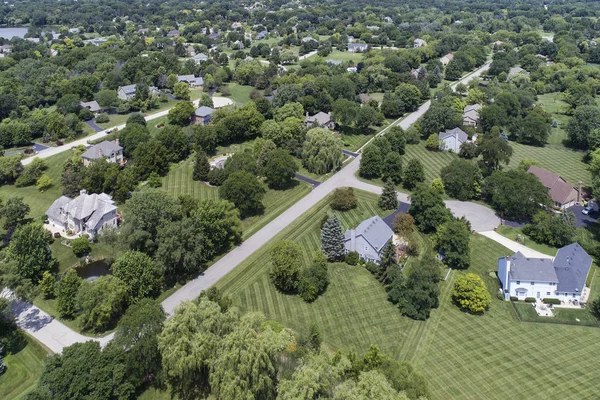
pixel 414 173
pixel 140 274
pixel 29 252
pixel 245 191
pixel 14 211
pixel 388 199
pixel 428 209
pixel 471 294
pixel 67 294
pixel 462 179
pixel 280 168
pixel 452 239
pixel 322 151
pixel 371 162
pixel 181 113
pixel 332 238
pixel 286 257
pixel 101 302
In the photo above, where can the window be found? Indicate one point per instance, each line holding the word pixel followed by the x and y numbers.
pixel 518 282
pixel 532 283
pixel 547 293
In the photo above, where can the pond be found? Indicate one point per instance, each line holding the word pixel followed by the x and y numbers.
pixel 9 33
pixel 94 270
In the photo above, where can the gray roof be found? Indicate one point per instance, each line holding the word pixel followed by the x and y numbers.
pixel 91 105
pixel 128 89
pixel 87 207
pixel 360 46
pixel 321 118
pixel 54 210
pixel 200 57
pixel 204 111
pixel 190 79
pixel 461 136
pixel 101 150
pixel 374 230
pixel 572 265
pixel 531 269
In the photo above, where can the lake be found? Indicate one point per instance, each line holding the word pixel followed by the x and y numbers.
pixel 9 33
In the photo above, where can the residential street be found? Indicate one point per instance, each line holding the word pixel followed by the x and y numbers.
pixel 55 335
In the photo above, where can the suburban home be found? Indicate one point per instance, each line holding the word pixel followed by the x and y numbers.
pixel 93 106
pixel 447 58
pixel 333 62
pixel 261 35
pixel 200 58
pixel 238 44
pixel 357 47
pixel 236 25
pixel 517 71
pixel 419 43
pixel 320 119
pixel 453 139
pixel 364 98
pixel 143 31
pixel 309 39
pixel 173 33
pixel 191 51
pixel 202 115
pixel 127 92
pixel 471 115
pixel 563 194
pixel 110 151
pixel 560 278
pixel 419 71
pixel 214 36
pixel 219 162
pixel 85 214
pixel 5 48
pixel 191 80
pixel 368 239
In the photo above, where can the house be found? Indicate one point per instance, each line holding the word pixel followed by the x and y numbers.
pixel 419 43
pixel 453 139
pixel 542 278
pixel 372 28
pixel 350 38
pixel 219 162
pixel 471 115
pixel 173 33
pixel 127 92
pixel 421 71
pixel 111 151
pixel 368 239
pixel 447 58
pixel 236 25
pixel 333 62
pixel 352 69
pixel 516 71
pixel 5 49
pixel 214 36
pixel 238 44
pixel 202 115
pixel 143 31
pixel 85 214
pixel 191 80
pixel 261 35
pixel 200 58
pixel 191 52
pixel 357 47
pixel 497 44
pixel 93 106
pixel 563 194
pixel 309 39
pixel 364 98
pixel 389 20
pixel 320 119
pixel 73 30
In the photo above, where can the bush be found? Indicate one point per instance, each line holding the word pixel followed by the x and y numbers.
pixel 85 114
pixel 343 199
pixel 530 300
pixel 313 281
pixel 217 176
pixel 352 258
pixel 551 301
pixel 102 119
pixel 81 246
pixel 514 298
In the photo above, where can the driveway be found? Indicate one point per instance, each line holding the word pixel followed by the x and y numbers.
pixel 481 217
pixel 92 124
pixel 582 220
pixel 514 246
pixel 37 147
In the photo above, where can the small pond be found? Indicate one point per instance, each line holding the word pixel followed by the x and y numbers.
pixel 93 270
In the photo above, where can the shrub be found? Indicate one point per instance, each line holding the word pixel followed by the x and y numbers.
pixel 217 176
pixel 102 119
pixel 313 281
pixel 2 366
pixel 343 199
pixel 470 293
pixel 85 114
pixel 352 258
pixel 514 298
pixel 285 258
pixel 529 299
pixel 500 296
pixel 551 301
pixel 81 246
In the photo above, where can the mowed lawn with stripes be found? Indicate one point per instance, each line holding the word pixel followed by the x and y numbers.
pixel 463 356
pixel 179 182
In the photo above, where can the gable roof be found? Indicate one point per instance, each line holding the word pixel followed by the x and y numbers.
pixel 84 205
pixel 204 111
pixel 531 269
pixel 359 46
pixel 200 57
pixel 558 187
pixel 128 89
pixel 54 210
pixel 101 150
pixel 190 79
pixel 374 230
pixel 572 264
pixel 91 105
pixel 321 118
pixel 460 135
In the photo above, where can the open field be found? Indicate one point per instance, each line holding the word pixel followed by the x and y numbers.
pixel 463 356
pixel 552 103
pixel 239 93
pixel 23 369
pixel 345 56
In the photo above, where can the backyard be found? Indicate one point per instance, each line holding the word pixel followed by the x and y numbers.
pixel 23 370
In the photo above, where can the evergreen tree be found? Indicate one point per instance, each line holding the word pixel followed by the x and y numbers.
pixel 332 239
pixel 389 267
pixel 201 167
pixel 392 167
pixel 388 199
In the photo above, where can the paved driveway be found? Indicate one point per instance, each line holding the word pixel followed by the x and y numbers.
pixel 481 217
pixel 582 220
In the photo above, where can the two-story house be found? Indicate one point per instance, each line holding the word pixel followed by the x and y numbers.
pixel 368 239
pixel 453 139
pixel 202 115
pixel 110 151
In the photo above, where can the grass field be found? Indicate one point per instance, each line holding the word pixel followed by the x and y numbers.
pixel 463 356
pixel 345 56
pixel 22 370
pixel 239 93
pixel 552 103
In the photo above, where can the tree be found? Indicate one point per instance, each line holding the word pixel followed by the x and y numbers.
pixel 388 199
pixel 404 224
pixel 140 274
pixel 433 143
pixel 343 199
pixel 67 104
pixel 428 209
pixel 149 157
pixel 280 169
pixel 101 302
pixel 554 229
pixel 285 258
pixel 413 174
pixel 452 239
pixel 313 281
pixel 32 172
pixel 201 167
pixel 369 385
pixel 206 101
pixel 468 151
pixel 462 179
pixel 181 91
pixel 132 136
pixel 438 186
pixel 494 152
pixel 595 307
pixel 245 191
pixel 136 118
pixel 397 139
pixel 29 251
pixel 218 221
pixel 371 162
pixel 438 118
pixel 176 141
pixel 515 194
pixel 332 239
pixel 492 115
pixel 181 113
pixel 107 98
pixel 81 246
pixel 322 151
pixel 14 211
pixel 410 96
pixel 67 294
pixel 471 294
pixel 44 183
pixel 48 285
pixel 534 129
pixel 585 119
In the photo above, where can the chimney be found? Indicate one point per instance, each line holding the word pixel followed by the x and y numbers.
pixel 579 192
pixel 117 141
pixel 83 191
pixel 100 154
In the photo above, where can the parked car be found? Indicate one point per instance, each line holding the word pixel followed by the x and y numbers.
pixel 586 210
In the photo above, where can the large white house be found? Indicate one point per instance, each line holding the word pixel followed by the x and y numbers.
pixel 560 278
pixel 85 214
pixel 368 239
pixel 453 139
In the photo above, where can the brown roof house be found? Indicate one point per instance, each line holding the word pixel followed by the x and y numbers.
pixel 563 194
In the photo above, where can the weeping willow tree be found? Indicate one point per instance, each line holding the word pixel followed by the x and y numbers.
pixel 322 151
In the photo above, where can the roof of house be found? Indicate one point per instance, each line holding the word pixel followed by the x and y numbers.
pixel 91 105
pixel 516 70
pixel 54 210
pixel 321 118
pixel 333 62
pixel 357 46
pixel 560 190
pixel 449 57
pixel 472 107
pixel 85 206
pixel 572 264
pixel 460 135
pixel 364 98
pixel 128 89
pixel 201 57
pixel 531 269
pixel 374 230
pixel 101 150
pixel 204 111
pixel 190 79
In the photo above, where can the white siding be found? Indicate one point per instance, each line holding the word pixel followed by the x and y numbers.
pixel 543 288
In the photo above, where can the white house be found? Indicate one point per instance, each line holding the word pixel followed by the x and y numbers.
pixel 419 43
pixel 560 278
pixel 471 115
pixel 453 139
pixel 200 58
pixel 368 239
pixel 85 214
pixel 320 119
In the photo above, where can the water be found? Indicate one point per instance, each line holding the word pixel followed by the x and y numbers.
pixel 93 271
pixel 9 33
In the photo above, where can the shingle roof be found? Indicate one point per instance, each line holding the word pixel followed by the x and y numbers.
pixel 54 210
pixel 84 205
pixel 321 118
pixel 128 89
pixel 572 265
pixel 101 150
pixel 204 111
pixel 91 105
pixel 461 136
pixel 201 57
pixel 559 189
pixel 374 230
pixel 190 79
pixel 532 269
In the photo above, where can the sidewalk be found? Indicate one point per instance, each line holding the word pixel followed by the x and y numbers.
pixel 514 246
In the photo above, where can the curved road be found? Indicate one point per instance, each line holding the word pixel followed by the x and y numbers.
pixel 56 335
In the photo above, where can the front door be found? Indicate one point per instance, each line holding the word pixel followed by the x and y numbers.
pixel 538 295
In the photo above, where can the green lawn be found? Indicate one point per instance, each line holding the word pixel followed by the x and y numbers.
pixel 23 369
pixel 462 356
pixel 239 93
pixel 345 56
pixel 433 161
pixel 511 233
pixel 552 103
